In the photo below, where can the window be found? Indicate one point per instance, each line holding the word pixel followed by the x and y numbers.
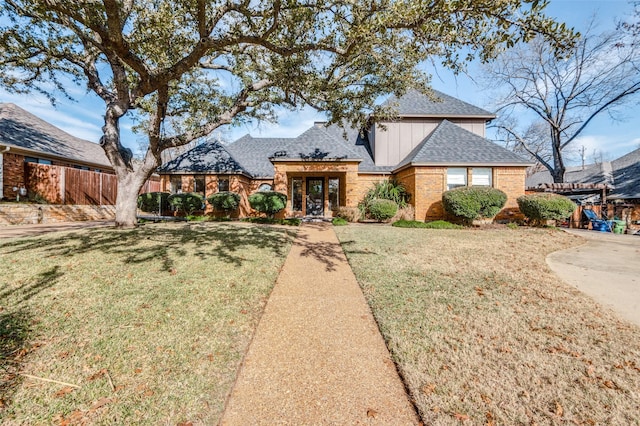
pixel 456 177
pixel 37 160
pixel 334 193
pixel 265 187
pixel 198 184
pixel 481 176
pixel 176 184
pixel 223 184
pixel 296 194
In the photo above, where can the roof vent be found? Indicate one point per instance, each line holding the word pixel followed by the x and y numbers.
pixel 320 123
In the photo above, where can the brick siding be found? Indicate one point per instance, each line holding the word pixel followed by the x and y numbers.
pixel 12 174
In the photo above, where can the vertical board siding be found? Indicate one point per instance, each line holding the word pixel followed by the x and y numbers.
pixel 66 185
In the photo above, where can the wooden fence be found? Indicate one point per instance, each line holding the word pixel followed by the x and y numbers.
pixel 66 185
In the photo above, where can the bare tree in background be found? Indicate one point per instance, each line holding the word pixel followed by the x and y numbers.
pixel 545 101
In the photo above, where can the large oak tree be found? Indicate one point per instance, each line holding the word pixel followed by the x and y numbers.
pixel 207 63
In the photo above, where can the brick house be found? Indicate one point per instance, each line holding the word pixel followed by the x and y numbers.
pixel 26 139
pixel 432 146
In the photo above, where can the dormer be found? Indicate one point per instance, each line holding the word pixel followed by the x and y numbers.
pixel 418 116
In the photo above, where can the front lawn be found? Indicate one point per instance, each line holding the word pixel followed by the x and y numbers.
pixel 484 333
pixel 144 326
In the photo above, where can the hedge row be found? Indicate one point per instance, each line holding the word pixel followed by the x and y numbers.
pixel 269 202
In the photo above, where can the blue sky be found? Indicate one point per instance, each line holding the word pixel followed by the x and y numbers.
pixel 83 117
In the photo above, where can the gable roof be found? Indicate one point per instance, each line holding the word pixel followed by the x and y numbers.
pixel 416 104
pixel 452 145
pixel 209 157
pixel 21 129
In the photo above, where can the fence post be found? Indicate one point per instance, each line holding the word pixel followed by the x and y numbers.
pixel 63 180
pixel 100 188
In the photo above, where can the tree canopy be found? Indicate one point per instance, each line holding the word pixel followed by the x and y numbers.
pixel 187 67
pixel 545 101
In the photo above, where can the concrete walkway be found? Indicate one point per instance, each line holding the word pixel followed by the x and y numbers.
pixel 606 267
pixel 15 231
pixel 317 356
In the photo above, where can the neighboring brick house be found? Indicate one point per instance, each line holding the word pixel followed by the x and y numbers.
pixel 433 146
pixel 25 138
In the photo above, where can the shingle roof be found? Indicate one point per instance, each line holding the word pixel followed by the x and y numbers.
pixel 317 144
pixel 626 176
pixel 209 157
pixel 254 153
pixel 22 129
pixel 452 145
pixel 414 103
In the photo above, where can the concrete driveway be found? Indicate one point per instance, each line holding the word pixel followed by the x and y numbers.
pixel 606 267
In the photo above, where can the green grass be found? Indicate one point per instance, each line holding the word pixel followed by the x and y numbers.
pixel 338 221
pixel 150 323
pixel 437 224
pixel 482 330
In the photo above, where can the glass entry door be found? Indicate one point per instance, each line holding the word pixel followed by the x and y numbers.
pixel 315 196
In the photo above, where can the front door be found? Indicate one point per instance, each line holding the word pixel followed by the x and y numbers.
pixel 315 196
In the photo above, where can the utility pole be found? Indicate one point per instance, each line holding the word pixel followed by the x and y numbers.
pixel 582 154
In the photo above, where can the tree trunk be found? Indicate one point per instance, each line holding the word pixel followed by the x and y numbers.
pixel 558 161
pixel 129 185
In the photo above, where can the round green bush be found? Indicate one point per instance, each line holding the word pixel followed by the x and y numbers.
pixel 153 202
pixel 474 202
pixel 542 207
pixel 226 201
pixel 269 202
pixel 380 209
pixel 187 203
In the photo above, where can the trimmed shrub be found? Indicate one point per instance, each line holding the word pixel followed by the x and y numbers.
pixel 226 201
pixel 186 203
pixel 153 202
pixel 539 208
pixel 380 209
pixel 473 202
pixel 338 221
pixel 442 224
pixel 437 224
pixel 409 224
pixel 268 202
pixel 350 214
